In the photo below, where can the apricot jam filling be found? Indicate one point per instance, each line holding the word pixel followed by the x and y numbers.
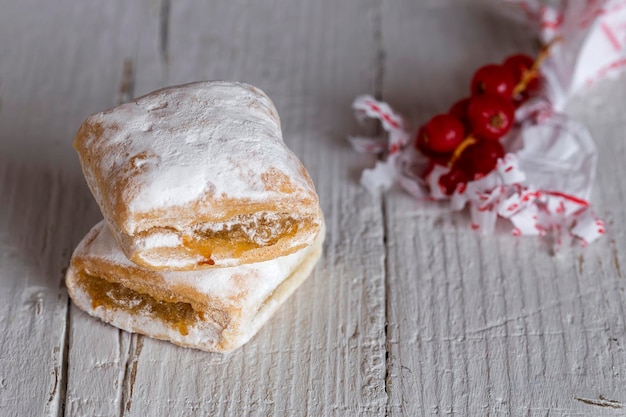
pixel 177 315
pixel 247 232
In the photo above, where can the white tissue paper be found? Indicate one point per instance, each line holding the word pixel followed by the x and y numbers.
pixel 592 43
pixel 543 183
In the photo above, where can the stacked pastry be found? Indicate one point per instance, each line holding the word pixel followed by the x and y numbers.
pixel 210 221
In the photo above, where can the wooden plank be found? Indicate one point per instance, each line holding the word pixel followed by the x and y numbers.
pixel 494 325
pixel 100 356
pixel 323 353
pixel 475 326
pixel 41 218
pixel 97 361
pixel 601 278
pixel 60 62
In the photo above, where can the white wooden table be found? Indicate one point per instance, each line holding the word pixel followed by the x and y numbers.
pixel 409 313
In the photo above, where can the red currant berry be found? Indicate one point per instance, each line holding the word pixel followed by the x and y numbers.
pixel 450 181
pixel 493 79
pixel 518 65
pixel 422 145
pixel 534 85
pixel 490 116
pixel 422 142
pixel 480 159
pixel 459 110
pixel 442 134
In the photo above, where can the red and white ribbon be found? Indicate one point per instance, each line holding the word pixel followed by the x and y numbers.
pixel 385 173
pixel 543 183
pixel 593 41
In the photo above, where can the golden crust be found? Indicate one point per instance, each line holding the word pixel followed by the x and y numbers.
pixel 198 249
pixel 189 156
pixel 214 310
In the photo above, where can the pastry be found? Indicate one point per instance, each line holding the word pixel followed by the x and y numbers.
pixel 198 176
pixel 215 309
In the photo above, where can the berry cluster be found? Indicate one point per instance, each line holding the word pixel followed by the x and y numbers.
pixel 467 138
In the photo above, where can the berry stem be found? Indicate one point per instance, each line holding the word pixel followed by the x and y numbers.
pixel 528 76
pixel 468 141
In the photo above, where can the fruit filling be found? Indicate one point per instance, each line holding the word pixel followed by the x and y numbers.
pixel 113 296
pixel 260 230
pixel 243 233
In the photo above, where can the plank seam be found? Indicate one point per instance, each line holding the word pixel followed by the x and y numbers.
pixel 164 30
pixel 54 181
pixel 124 359
pixel 387 307
pixel 65 360
pixel 127 84
pixel 379 74
pixel 379 70
pixel 130 373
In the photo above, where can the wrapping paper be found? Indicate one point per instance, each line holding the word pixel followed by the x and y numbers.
pixel 543 183
pixel 592 46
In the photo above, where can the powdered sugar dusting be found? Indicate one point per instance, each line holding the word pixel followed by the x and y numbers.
pixel 178 145
pixel 253 281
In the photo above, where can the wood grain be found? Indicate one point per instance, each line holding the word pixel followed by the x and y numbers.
pixel 60 63
pixel 409 313
pixel 493 325
pixel 42 217
pixel 323 353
